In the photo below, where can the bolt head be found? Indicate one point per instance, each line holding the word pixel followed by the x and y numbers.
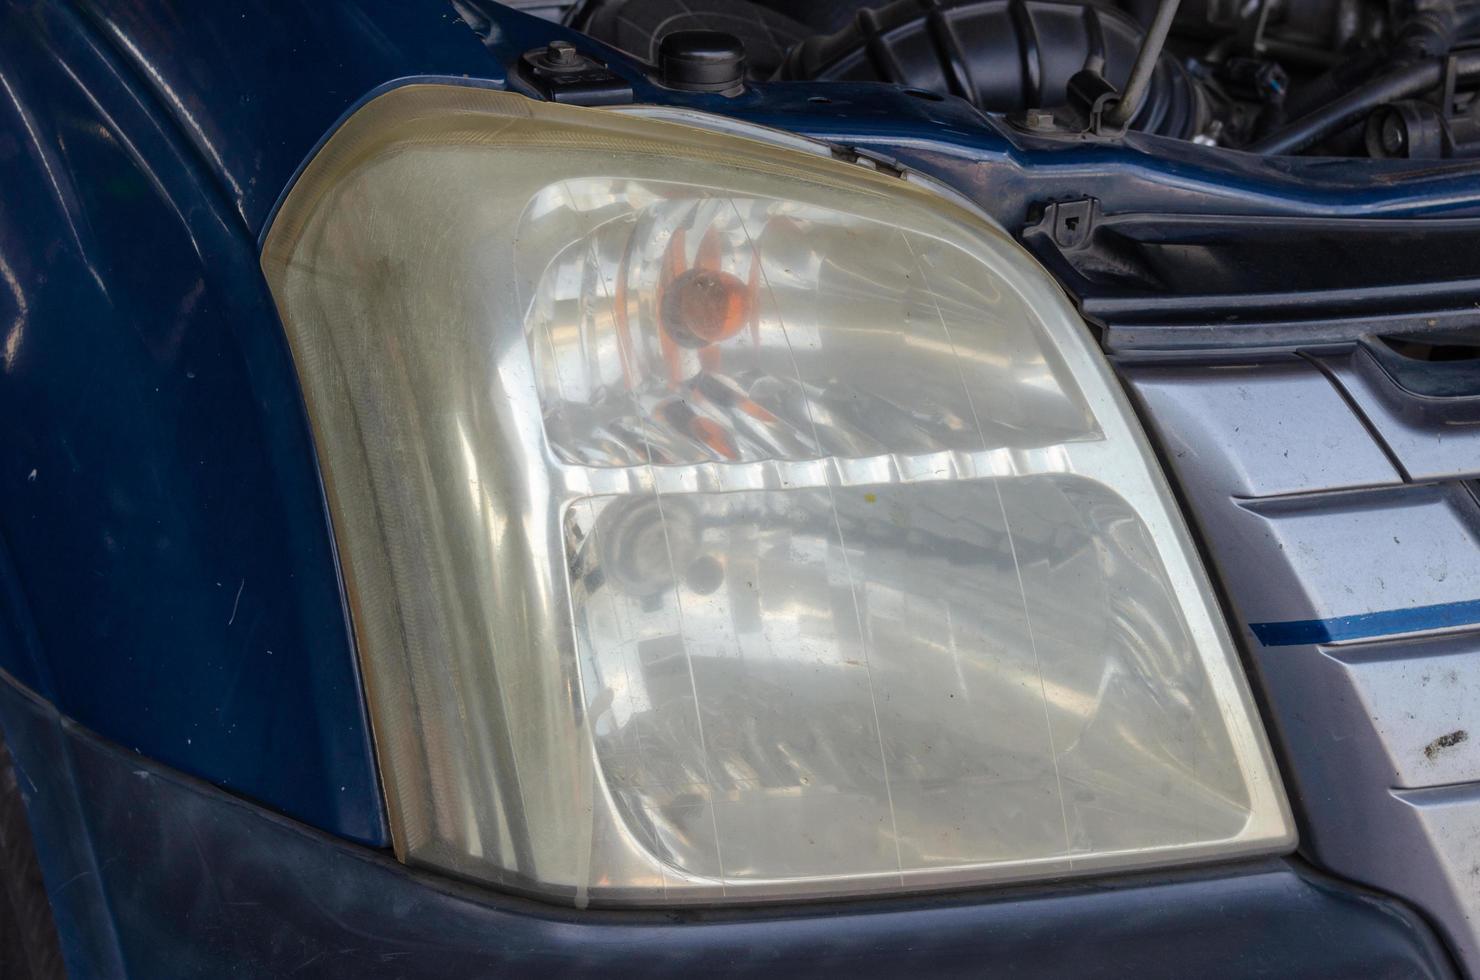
pixel 1039 119
pixel 561 53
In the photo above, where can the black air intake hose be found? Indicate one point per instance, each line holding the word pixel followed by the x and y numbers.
pixel 1002 55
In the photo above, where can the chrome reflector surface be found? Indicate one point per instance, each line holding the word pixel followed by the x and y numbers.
pixel 723 523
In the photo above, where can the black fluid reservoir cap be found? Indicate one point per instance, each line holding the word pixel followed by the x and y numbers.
pixel 702 61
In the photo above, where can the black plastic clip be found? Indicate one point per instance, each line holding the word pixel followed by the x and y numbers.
pixel 1091 96
pixel 1071 223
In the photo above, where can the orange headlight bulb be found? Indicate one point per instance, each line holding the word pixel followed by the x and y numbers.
pixel 704 306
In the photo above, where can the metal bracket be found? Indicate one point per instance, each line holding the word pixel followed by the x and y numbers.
pixel 560 73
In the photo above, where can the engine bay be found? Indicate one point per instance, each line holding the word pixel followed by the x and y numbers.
pixel 1337 78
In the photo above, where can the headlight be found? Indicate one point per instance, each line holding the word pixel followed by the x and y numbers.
pixel 723 522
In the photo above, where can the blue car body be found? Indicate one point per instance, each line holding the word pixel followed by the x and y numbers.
pixel 180 689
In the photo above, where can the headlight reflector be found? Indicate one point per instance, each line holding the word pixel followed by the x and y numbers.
pixel 722 522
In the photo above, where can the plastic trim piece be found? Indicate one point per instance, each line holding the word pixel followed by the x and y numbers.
pixel 1181 282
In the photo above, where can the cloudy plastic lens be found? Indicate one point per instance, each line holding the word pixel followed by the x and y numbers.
pixel 674 323
pixel 724 523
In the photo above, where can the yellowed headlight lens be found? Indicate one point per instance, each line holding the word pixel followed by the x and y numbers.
pixel 723 522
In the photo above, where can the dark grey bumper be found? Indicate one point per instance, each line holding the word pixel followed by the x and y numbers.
pixel 153 874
